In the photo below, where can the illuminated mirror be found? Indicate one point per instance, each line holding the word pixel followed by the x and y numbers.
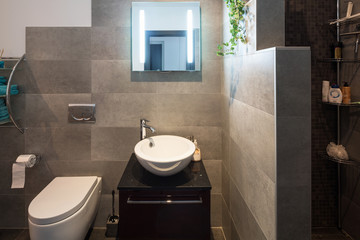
pixel 165 36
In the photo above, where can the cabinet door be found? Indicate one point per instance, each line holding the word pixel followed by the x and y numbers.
pixel 164 215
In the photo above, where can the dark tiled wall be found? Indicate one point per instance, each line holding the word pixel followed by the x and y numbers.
pixel 306 25
pixel 92 65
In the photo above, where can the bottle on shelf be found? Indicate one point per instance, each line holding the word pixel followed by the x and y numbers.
pixel 325 90
pixel 335 94
pixel 338 50
pixel 346 91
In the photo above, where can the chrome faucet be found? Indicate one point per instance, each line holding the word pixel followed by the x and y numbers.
pixel 143 127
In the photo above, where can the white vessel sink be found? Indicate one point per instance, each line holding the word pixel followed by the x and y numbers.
pixel 164 155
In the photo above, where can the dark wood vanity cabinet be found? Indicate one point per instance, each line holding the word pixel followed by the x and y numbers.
pixel 174 207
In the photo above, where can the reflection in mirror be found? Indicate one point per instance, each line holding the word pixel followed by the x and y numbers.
pixel 166 36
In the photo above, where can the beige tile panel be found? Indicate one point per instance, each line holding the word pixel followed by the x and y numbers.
pixel 213 170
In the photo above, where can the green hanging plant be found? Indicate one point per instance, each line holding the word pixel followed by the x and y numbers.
pixel 237 12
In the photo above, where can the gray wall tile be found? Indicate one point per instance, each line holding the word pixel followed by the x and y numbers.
pixel 213 169
pixel 216 208
pixel 61 144
pixel 114 76
pixel 58 43
pixel 58 76
pixel 124 109
pixel 50 110
pixel 12 210
pixel 110 43
pixel 113 144
pixel 111 13
pixel 12 145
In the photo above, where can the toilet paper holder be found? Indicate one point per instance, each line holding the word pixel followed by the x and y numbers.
pixel 29 164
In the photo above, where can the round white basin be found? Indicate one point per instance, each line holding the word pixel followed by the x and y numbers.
pixel 164 155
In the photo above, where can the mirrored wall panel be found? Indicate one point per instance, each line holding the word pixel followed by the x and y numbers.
pixel 165 36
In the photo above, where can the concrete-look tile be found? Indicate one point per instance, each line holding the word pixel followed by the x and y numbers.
pixel 111 76
pixel 12 145
pixel 226 220
pixel 225 185
pixel 155 76
pixel 217 233
pixel 209 138
pixel 216 209
pixel 12 210
pixel 188 109
pixel 211 37
pixel 255 187
pixel 37 177
pixel 113 144
pixel 213 170
pixel 61 144
pixel 58 43
pixel 225 139
pixel 211 13
pixel 111 13
pixel 105 209
pixel 110 43
pixel 110 171
pixel 210 82
pixel 47 110
pixel 252 80
pixel 6 178
pixel 59 76
pixel 244 222
pixel 293 212
pixel 254 132
pixel 270 24
pixel 293 165
pixel 124 109
pixel 293 82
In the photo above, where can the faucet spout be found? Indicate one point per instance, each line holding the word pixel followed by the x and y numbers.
pixel 143 127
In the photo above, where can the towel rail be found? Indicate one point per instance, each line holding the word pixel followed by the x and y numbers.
pixel 8 102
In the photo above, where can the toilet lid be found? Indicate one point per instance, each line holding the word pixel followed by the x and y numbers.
pixel 61 198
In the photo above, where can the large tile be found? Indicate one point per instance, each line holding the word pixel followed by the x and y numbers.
pixel 110 171
pixel 58 43
pixel 293 82
pixel 12 208
pixel 110 43
pixel 254 132
pixel 72 143
pixel 51 110
pixel 216 209
pixel 294 213
pixel 113 144
pixel 37 177
pixel 213 170
pixel 244 222
pixel 124 110
pixel 209 138
pixel 12 144
pixel 293 166
pixel 225 185
pixel 111 76
pixel 226 220
pixel 60 76
pixel 210 82
pixel 255 187
pixel 270 24
pixel 188 109
pixel 111 13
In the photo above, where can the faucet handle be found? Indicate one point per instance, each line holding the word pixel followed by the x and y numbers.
pixel 143 119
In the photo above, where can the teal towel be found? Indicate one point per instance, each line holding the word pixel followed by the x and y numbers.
pixel 12 92
pixel 12 87
pixel 2 80
pixel 4 118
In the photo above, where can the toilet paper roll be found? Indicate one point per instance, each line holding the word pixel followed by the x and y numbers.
pixel 18 169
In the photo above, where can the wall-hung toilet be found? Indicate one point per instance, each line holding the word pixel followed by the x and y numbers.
pixel 65 208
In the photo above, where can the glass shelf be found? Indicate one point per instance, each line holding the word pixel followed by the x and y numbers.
pixel 341 161
pixel 339 60
pixel 353 104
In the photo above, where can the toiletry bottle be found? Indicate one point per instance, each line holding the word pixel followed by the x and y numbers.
pixel 337 50
pixel 346 93
pixel 325 91
pixel 335 94
pixel 197 153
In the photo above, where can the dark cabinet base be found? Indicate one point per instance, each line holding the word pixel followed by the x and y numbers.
pixel 175 215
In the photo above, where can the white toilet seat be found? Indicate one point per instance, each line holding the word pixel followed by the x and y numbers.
pixel 60 199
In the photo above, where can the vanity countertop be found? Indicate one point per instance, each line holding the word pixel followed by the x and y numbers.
pixel 135 177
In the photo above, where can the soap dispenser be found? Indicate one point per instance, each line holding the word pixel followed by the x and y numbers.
pixel 197 153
